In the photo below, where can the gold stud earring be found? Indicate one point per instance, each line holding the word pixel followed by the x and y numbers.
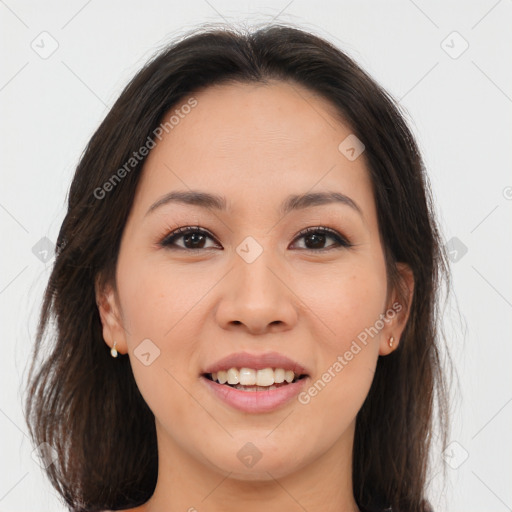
pixel 390 342
pixel 113 351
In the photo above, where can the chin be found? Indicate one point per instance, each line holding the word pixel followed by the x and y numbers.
pixel 251 464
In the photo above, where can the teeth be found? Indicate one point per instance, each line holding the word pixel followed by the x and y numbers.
pixel 279 375
pixel 265 377
pixel 255 388
pixel 248 377
pixel 233 376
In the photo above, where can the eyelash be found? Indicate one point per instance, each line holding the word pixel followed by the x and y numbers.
pixel 168 240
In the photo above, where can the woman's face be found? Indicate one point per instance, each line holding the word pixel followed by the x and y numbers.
pixel 249 284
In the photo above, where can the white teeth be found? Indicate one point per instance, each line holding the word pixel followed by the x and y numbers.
pixel 247 377
pixel 265 378
pixel 278 375
pixel 233 376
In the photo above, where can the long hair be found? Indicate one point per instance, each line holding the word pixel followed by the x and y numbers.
pixel 86 406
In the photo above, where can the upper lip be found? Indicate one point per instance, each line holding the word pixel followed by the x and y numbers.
pixel 257 362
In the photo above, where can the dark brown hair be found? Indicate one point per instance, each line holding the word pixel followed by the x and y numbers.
pixel 86 405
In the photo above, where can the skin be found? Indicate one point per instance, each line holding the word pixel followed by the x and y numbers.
pixel 255 145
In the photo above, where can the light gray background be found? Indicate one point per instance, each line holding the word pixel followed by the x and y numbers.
pixel 458 105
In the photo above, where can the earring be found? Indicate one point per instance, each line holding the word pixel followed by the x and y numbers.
pixel 390 342
pixel 113 351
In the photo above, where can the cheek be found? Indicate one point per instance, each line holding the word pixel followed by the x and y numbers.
pixel 343 302
pixel 157 297
pixel 347 309
pixel 158 305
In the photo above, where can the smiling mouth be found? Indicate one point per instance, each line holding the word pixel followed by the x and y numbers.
pixel 251 380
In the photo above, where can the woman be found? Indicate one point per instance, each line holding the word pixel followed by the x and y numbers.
pixel 245 291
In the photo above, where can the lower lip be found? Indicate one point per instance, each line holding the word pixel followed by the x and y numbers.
pixel 255 401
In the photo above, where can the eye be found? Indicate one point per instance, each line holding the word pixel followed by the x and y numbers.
pixel 316 236
pixel 195 238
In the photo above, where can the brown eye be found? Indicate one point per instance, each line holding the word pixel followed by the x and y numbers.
pixel 316 237
pixel 193 238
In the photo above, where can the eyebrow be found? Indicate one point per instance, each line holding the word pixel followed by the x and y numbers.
pixel 293 202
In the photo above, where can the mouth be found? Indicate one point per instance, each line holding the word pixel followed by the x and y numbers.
pixel 254 398
pixel 255 383
pixel 252 380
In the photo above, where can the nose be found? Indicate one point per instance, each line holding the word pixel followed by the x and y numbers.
pixel 257 297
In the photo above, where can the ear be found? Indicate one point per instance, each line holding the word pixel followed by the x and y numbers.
pixel 398 309
pixel 110 315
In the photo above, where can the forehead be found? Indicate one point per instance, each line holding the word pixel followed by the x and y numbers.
pixel 254 142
